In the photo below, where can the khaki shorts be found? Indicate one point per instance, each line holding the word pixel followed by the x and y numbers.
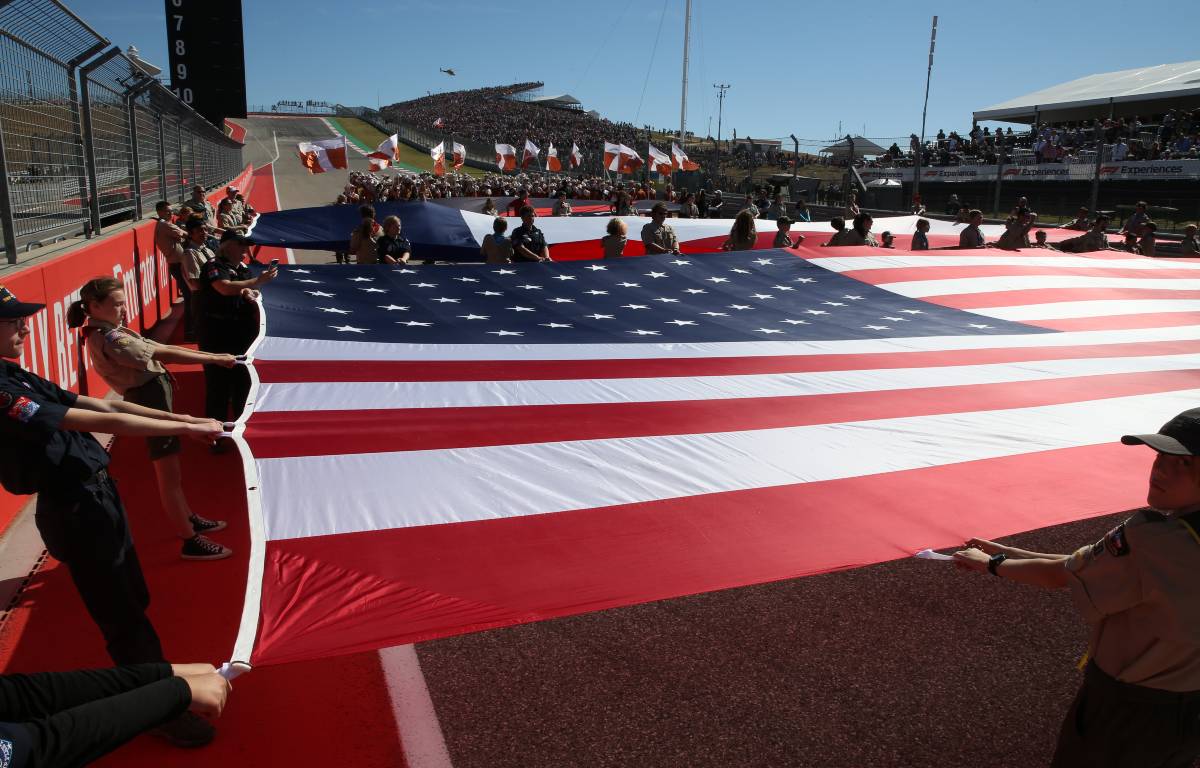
pixel 157 393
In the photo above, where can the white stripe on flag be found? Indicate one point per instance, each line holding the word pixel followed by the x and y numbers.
pixel 469 484
pixel 279 348
pixel 322 396
pixel 854 263
pixel 1059 310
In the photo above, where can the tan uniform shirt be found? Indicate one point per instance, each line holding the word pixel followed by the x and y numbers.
pixel 229 221
pixel 363 248
pixel 122 358
pixel 1137 587
pixel 613 245
pixel 202 206
pixel 168 239
pixel 193 259
pixel 853 238
pixel 562 208
pixel 1091 241
pixel 659 234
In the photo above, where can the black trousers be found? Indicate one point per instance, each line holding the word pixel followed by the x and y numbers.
pixel 1112 724
pixel 189 317
pixel 225 389
pixel 84 527
pixel 64 719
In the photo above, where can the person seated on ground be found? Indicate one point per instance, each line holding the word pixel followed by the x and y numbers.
pixel 227 218
pixel 1040 239
pixel 613 244
pixel 529 244
pixel 562 207
pixel 1016 231
pixel 743 236
pixel 1188 246
pixel 392 247
pixel 1093 240
pixel 920 241
pixel 839 231
pixel 496 247
pixel 971 236
pixel 1145 243
pixel 134 367
pixel 362 239
pixel 489 208
pixel 1137 590
pixel 74 718
pixel 860 232
pixel 688 208
pixel 657 235
pixel 784 238
pixel 887 241
pixel 1080 222
pixel 1139 217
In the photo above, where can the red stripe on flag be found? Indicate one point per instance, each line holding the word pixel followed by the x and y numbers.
pixel 340 594
pixel 281 434
pixel 304 371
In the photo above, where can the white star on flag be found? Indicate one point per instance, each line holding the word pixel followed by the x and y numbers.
pixel 740 306
pixel 560 300
pixel 373 290
pixel 362 279
pixel 629 285
pixel 504 271
pixel 563 277
pixel 815 312
pixel 597 267
pixel 794 322
pixel 314 282
pixel 634 306
pixel 666 300
pixel 411 322
pixel 761 296
pixel 300 271
pixel 391 307
pixel 768 330
pixel 556 325
pixel 335 310
pixel 718 279
pixel 694 290
pixel 913 311
pixel 656 274
pixel 681 322
pixel 716 314
pixel 680 262
pixel 444 300
pixel 600 317
pixel 740 271
pixel 489 293
pixel 423 285
pixel 321 293
pixel 466 280
pixel 520 309
pixel 348 329
pixel 531 287
pixel 877 327
pixel 784 287
pixel 853 298
pixel 763 262
pixel 834 303
pixel 640 332
pixel 597 293
pixel 474 317
pixel 506 333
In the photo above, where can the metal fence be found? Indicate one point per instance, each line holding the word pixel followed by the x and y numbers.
pixel 87 136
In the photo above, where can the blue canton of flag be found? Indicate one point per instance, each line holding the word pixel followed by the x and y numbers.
pixel 750 296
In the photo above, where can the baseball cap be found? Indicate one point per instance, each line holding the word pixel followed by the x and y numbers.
pixel 232 188
pixel 1180 436
pixel 232 234
pixel 11 307
pixel 193 222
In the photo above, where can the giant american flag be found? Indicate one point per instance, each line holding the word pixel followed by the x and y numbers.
pixel 435 450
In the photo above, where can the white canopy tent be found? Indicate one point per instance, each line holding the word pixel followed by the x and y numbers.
pixel 1143 91
pixel 862 148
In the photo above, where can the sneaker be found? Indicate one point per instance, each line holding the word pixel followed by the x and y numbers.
pixel 187 731
pixel 201 548
pixel 204 525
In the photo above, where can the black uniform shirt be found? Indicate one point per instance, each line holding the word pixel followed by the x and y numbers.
pixel 529 236
pixel 218 306
pixel 35 452
pixel 392 246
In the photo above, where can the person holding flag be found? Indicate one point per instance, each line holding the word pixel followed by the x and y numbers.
pixel 552 162
pixel 506 157
pixel 576 157
pixel 530 155
pixel 460 155
pixel 659 162
pixel 385 154
pixel 438 154
pixel 324 155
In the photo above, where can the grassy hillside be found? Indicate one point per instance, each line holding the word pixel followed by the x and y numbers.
pixel 368 137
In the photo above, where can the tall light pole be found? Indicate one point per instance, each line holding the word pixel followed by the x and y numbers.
pixel 924 109
pixel 721 88
pixel 687 23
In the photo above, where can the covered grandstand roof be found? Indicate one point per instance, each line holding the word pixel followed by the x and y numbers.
pixel 561 100
pixel 1131 91
pixel 862 147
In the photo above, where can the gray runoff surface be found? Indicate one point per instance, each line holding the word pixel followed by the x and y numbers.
pixel 904 663
pixel 297 187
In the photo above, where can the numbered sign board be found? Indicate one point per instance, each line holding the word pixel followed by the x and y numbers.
pixel 208 64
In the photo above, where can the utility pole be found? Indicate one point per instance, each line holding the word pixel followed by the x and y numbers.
pixel 721 88
pixel 687 23
pixel 924 110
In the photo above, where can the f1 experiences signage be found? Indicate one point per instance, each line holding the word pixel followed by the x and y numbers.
pixel 1159 170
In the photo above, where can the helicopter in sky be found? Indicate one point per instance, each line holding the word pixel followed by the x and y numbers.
pixel 450 72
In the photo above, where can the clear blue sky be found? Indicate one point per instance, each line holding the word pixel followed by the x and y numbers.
pixel 794 67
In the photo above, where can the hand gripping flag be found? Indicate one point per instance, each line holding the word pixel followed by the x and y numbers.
pixel 680 159
pixel 324 155
pixel 530 155
pixel 552 162
pixel 506 157
pixel 460 155
pixel 438 154
pixel 659 162
pixel 576 158
pixel 385 154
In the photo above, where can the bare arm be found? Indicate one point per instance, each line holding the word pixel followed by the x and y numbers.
pixel 992 548
pixel 235 287
pixel 171 354
pixel 1036 572
pixel 96 405
pixel 130 424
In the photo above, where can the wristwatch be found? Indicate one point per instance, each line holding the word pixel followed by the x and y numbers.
pixel 994 562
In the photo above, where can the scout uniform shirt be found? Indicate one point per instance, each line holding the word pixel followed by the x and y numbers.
pixel 123 358
pixel 217 306
pixel 1137 588
pixel 168 240
pixel 35 452
pixel 660 234
pixel 562 208
pixel 195 257
pixel 532 238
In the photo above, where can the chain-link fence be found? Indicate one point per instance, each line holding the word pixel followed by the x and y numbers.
pixel 87 136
